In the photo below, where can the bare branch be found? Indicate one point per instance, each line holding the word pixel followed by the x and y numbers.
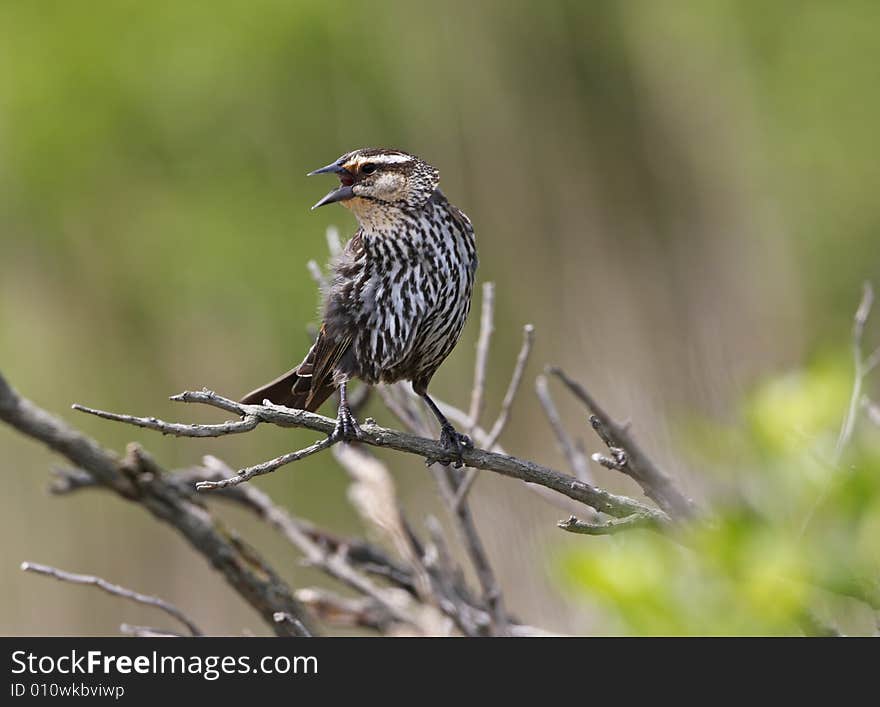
pixel 115 590
pixel 635 463
pixel 577 460
pixel 137 478
pixel 449 584
pixel 446 479
pixel 506 404
pixel 859 372
pixel 375 435
pixel 331 557
pixel 515 380
pixel 609 527
pixel 374 496
pixel 486 328
pixel 266 467
pixel 245 424
pixel 361 554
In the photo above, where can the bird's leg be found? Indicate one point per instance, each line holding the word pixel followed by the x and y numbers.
pixel 347 428
pixel 454 441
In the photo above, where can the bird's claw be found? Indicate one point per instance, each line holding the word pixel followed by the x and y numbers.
pixel 347 428
pixel 455 443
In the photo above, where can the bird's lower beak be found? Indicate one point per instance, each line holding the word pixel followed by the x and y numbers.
pixel 341 194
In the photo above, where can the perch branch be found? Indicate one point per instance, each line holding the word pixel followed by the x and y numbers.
pixel 115 590
pixel 377 436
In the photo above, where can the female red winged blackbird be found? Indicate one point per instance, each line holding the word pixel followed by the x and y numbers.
pixel 399 294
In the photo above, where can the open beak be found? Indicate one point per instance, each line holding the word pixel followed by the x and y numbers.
pixel 340 194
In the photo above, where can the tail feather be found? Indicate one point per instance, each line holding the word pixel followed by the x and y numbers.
pixel 293 389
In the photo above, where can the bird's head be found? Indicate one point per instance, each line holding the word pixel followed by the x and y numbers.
pixel 373 179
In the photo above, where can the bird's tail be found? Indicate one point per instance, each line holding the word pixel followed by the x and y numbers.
pixel 293 389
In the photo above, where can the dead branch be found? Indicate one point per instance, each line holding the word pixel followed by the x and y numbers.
pixel 609 527
pixel 577 459
pixel 137 478
pixel 377 436
pixel 115 590
pixel 861 368
pixel 628 456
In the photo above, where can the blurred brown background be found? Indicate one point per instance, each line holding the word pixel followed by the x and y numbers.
pixel 681 196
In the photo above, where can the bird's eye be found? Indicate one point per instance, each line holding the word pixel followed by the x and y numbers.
pixel 368 169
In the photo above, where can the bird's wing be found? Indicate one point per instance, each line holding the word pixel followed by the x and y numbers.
pixel 320 365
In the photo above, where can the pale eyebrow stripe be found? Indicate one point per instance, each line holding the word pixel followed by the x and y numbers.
pixel 385 159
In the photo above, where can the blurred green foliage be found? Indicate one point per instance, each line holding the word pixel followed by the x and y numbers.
pixel 792 529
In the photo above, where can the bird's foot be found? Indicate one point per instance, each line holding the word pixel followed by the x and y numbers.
pixel 455 444
pixel 347 428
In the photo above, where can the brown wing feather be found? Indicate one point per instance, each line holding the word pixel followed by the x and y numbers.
pixel 324 359
pixel 308 385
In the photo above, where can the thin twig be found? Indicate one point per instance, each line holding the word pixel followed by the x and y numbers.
pixel 448 481
pixel 245 424
pixel 609 527
pixel 115 590
pixel 575 456
pixel 362 555
pixel 849 420
pixel 266 467
pixel 482 358
pixel 847 427
pixel 504 415
pixel 515 380
pixel 474 547
pixel 656 484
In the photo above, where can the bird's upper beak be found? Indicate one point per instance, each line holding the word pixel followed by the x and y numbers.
pixel 343 192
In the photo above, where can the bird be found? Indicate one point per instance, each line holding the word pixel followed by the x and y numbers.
pixel 398 294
